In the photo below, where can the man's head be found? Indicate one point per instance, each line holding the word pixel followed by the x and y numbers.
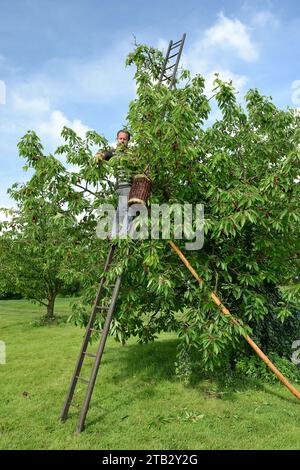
pixel 123 137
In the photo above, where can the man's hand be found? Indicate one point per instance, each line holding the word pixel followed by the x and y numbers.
pixel 104 156
pixel 99 157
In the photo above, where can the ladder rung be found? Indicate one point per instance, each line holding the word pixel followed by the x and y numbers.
pixel 95 329
pixel 90 355
pixel 174 55
pixel 101 307
pixel 176 44
pixel 82 380
pixel 170 67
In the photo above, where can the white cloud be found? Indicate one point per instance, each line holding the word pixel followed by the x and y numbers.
pixel 264 19
pixel 5 200
pixel 2 92
pixel 51 128
pixel 296 92
pixel 238 81
pixel 26 110
pixel 5 216
pixel 8 68
pixel 231 34
pixel 195 60
pixel 41 101
pixel 33 105
pixel 100 80
pixel 162 45
pixel 206 55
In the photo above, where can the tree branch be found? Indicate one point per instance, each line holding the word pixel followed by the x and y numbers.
pixel 40 301
pixel 85 189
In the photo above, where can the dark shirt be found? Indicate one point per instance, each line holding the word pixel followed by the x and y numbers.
pixel 108 154
pixel 121 175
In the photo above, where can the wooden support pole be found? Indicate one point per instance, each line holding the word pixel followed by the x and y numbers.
pixel 253 345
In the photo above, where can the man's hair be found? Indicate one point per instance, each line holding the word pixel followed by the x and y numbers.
pixel 126 132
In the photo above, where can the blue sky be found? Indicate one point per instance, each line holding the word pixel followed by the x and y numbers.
pixel 62 62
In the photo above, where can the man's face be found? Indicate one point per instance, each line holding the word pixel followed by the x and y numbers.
pixel 122 139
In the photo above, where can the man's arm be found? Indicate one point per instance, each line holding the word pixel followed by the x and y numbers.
pixel 105 155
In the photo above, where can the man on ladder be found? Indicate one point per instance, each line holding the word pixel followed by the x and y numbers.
pixel 123 185
pixel 168 77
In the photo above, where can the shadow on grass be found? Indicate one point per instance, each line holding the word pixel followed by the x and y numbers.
pixel 155 362
pixel 152 361
pixel 228 383
pixel 137 369
pixel 290 399
pixel 44 321
pixel 148 365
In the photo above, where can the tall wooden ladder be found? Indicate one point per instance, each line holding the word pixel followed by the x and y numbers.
pixel 98 308
pixel 168 75
pixel 171 62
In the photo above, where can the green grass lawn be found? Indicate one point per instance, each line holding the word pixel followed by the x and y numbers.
pixel 137 402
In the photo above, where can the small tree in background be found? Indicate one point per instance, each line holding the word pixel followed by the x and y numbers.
pixel 46 246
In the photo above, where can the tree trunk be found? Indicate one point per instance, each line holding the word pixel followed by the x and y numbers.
pixel 50 307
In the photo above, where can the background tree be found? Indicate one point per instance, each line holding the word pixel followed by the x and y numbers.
pixel 46 247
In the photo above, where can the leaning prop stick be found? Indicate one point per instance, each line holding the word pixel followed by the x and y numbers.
pixel 226 312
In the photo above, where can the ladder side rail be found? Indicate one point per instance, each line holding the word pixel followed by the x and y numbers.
pixel 94 372
pixel 85 342
pixel 175 44
pixel 165 62
pixel 177 62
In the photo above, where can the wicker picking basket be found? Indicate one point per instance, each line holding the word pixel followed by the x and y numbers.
pixel 140 190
